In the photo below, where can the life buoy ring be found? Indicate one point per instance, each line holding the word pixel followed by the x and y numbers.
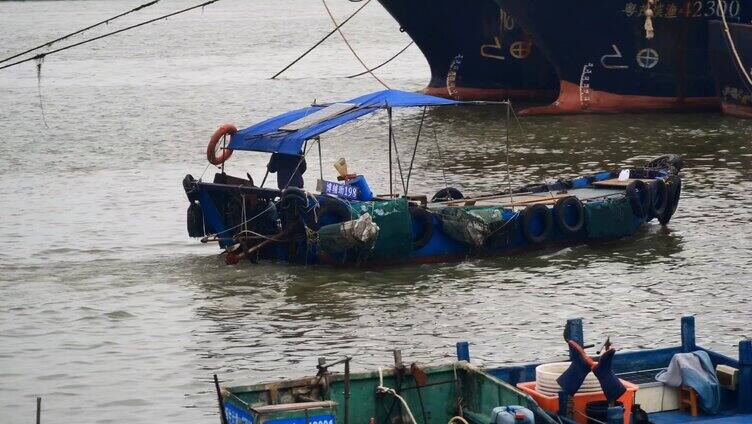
pixel 659 193
pixel 425 218
pixel 639 198
pixel 674 193
pixel 569 214
pixel 211 149
pixel 530 230
pixel 449 193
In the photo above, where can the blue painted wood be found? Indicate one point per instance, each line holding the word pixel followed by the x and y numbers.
pixel 575 331
pixel 463 351
pixel 516 374
pixel 744 391
pixel 688 333
pixel 213 219
pixel 563 403
pixel 615 415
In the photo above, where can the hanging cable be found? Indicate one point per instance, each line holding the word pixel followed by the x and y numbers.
pixel 368 71
pixel 106 21
pixel 321 41
pixel 347 43
pixel 42 55
pixel 727 31
pixel 441 157
pixel 39 90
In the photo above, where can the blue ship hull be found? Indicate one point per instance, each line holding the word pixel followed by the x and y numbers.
pixel 734 89
pixel 475 50
pixel 607 63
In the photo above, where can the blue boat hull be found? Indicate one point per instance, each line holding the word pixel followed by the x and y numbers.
pixel 306 228
pixel 475 51
pixel 734 90
pixel 606 62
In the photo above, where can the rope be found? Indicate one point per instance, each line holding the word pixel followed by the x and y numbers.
pixel 739 62
pixel 458 419
pixel 39 90
pixel 387 390
pixel 347 43
pixel 42 55
pixel 320 41
pixel 399 163
pixel 441 157
pixel 415 150
pixel 106 21
pixel 368 71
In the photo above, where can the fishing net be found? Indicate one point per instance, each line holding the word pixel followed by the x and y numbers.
pixel 395 235
pixel 609 219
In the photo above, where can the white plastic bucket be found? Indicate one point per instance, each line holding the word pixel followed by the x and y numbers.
pixel 546 375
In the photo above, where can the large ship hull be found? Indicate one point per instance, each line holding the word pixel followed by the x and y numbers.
pixel 606 62
pixel 475 51
pixel 734 88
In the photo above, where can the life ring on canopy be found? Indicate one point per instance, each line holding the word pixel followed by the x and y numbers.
pixel 659 194
pixel 569 214
pixel 425 218
pixel 536 233
pixel 211 149
pixel 449 193
pixel 639 198
pixel 674 193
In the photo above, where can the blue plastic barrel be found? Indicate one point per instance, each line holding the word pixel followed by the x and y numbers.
pixel 364 191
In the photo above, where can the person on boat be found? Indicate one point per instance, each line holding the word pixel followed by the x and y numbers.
pixel 289 169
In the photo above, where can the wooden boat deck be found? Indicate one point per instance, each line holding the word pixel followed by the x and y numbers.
pixel 520 200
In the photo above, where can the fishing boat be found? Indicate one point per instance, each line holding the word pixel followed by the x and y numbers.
pixel 731 55
pixel 345 224
pixel 660 386
pixel 475 50
pixel 624 56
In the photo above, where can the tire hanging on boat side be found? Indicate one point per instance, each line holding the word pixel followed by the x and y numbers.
pixel 528 215
pixel 659 193
pixel 560 215
pixel 674 193
pixel 639 198
pixel 426 218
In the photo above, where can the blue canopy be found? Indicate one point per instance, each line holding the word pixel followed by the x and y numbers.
pixel 267 136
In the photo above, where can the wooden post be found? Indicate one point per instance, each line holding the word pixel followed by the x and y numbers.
pixel 222 413
pixel 744 390
pixel 688 334
pixel 39 410
pixel 463 351
pixel 347 390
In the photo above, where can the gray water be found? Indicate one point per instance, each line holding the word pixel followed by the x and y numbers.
pixel 112 314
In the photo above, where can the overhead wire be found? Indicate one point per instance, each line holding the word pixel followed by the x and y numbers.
pixel 349 46
pixel 66 36
pixel 89 40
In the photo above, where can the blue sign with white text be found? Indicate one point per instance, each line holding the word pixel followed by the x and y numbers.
pixel 340 190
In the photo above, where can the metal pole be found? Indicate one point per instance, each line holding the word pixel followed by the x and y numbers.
pixel 415 150
pixel 389 112
pixel 347 391
pixel 39 410
pixel 509 173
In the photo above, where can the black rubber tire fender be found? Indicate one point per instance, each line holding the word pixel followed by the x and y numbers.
pixel 560 208
pixel 426 217
pixel 659 192
pixel 329 206
pixel 528 214
pixel 639 205
pixel 674 193
pixel 449 193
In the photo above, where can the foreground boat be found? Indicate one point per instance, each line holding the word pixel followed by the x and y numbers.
pixel 475 50
pixel 463 393
pixel 731 56
pixel 346 225
pixel 617 56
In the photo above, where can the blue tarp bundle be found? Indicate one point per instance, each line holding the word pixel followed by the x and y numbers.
pixel 267 137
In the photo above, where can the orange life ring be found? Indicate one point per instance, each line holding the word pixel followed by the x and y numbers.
pixel 211 149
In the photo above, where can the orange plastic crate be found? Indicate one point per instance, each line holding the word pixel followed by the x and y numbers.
pixel 551 403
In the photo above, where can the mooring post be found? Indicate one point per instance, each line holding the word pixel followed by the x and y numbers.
pixel 463 351
pixel 615 415
pixel 573 331
pixel 744 391
pixel 688 334
pixel 39 410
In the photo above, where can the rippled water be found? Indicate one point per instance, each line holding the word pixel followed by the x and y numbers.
pixel 112 314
